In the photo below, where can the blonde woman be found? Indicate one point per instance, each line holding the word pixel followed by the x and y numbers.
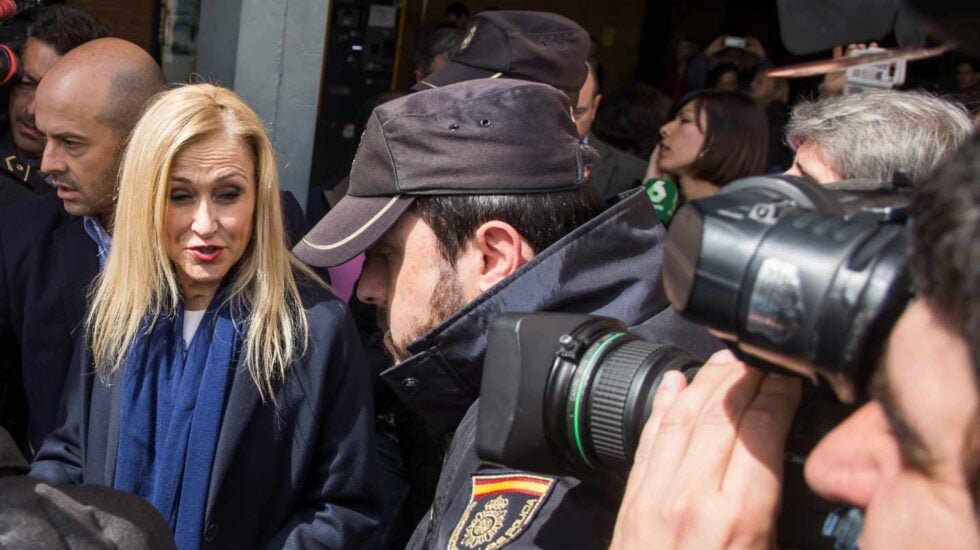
pixel 215 376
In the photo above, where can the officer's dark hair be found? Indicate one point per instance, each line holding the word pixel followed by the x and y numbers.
pixel 65 27
pixel 736 138
pixel 542 218
pixel 444 40
pixel 944 246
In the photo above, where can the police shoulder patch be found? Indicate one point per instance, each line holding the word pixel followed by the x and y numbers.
pixel 499 509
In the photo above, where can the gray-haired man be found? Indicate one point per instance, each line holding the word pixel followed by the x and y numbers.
pixel 871 135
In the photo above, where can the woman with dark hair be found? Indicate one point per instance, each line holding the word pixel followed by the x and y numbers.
pixel 714 137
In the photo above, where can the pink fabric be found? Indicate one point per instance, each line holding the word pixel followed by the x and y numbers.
pixel 344 277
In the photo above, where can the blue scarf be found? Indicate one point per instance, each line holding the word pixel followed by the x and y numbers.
pixel 172 405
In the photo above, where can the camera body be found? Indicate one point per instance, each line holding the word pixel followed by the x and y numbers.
pixel 795 275
pixel 735 42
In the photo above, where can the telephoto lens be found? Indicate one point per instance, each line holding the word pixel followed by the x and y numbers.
pixel 569 393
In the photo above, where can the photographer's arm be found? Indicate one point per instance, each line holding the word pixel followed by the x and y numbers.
pixel 709 466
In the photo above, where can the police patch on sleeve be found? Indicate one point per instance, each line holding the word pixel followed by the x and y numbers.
pixel 499 509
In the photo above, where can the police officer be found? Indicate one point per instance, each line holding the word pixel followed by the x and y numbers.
pixel 470 200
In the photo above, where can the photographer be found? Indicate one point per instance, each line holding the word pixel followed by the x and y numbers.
pixel 480 206
pixel 707 472
pixel 56 30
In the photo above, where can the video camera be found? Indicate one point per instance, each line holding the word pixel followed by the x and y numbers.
pixel 793 275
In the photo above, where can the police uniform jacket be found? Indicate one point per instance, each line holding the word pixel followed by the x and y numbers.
pixel 20 178
pixel 609 267
pixel 298 472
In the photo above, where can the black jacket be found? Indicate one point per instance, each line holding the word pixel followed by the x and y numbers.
pixel 614 171
pixel 297 473
pixel 34 514
pixel 609 266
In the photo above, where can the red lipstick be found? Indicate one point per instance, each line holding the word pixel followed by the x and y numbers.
pixel 205 254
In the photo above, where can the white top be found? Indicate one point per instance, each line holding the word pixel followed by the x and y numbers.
pixel 192 320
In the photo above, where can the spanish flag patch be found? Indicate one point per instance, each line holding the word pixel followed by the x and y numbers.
pixel 499 509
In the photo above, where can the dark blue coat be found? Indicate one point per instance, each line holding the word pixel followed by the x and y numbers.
pixel 300 475
pixel 47 262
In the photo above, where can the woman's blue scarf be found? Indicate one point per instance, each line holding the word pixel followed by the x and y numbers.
pixel 172 405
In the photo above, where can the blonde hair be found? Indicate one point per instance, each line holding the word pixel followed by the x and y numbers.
pixel 139 281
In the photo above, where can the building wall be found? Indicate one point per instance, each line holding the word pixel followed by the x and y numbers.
pixel 133 20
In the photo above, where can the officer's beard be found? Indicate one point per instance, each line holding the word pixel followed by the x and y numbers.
pixel 447 298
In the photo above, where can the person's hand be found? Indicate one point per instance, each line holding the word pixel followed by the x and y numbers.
pixel 754 47
pixel 833 83
pixel 653 171
pixel 716 46
pixel 708 469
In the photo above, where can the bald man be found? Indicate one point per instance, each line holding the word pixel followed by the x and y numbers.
pixel 51 247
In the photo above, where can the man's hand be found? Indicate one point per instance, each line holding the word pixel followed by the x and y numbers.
pixel 754 46
pixel 708 470
pixel 833 83
pixel 716 46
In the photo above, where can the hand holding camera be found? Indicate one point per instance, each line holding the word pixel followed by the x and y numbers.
pixel 709 463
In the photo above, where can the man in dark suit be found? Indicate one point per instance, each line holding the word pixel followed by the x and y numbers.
pixel 614 171
pixel 51 247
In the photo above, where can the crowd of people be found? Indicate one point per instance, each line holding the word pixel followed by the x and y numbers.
pixel 178 372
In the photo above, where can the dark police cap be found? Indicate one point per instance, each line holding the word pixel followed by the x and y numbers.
pixel 526 45
pixel 481 137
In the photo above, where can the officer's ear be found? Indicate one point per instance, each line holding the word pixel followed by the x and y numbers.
pixel 498 250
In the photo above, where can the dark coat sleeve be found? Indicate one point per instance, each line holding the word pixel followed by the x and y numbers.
pixel 294 219
pixel 13 409
pixel 59 460
pixel 340 506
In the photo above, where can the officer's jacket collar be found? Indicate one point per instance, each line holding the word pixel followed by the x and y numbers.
pixel 609 266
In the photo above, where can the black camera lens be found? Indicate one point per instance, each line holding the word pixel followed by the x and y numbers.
pixel 569 393
pixel 609 396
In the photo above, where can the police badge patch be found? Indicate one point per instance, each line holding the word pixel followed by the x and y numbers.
pixel 500 508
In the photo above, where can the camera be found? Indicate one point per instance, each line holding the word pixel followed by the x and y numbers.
pixel 735 42
pixel 794 276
